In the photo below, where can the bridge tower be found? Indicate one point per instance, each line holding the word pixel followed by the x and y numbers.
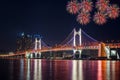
pixel 38 46
pixel 80 41
pixel 37 43
pixel 102 50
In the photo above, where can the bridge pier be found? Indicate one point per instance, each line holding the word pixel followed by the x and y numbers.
pixel 31 55
pixel 114 53
pixel 39 54
pixel 104 51
pixel 107 50
pixel 27 55
pixel 118 57
pixel 74 52
pixel 99 51
pixel 80 51
pixel 35 55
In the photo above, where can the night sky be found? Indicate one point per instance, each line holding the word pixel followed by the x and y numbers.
pixel 48 18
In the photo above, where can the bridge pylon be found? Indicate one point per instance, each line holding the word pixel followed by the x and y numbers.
pixel 37 43
pixel 74 42
pixel 104 51
pixel 75 34
pixel 74 51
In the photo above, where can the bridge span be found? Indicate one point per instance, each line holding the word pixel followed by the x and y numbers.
pixel 77 41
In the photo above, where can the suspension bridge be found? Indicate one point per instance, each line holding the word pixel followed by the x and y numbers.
pixel 76 41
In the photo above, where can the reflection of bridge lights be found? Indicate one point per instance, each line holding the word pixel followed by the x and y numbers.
pixel 99 71
pixel 80 70
pixel 35 69
pixel 108 70
pixel 39 70
pixel 113 70
pixel 77 72
pixel 28 69
pixel 21 69
pixel 74 70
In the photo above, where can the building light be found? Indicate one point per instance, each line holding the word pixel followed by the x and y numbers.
pixel 22 34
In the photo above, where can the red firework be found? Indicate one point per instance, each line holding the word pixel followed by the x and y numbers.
pixel 86 6
pixel 99 18
pixel 83 8
pixel 103 0
pixel 113 11
pixel 83 18
pixel 102 5
pixel 72 7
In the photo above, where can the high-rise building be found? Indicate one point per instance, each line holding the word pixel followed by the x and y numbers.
pixel 24 42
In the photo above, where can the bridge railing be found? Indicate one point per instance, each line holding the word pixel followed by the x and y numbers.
pixel 113 45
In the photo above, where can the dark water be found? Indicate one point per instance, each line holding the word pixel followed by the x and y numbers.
pixel 37 69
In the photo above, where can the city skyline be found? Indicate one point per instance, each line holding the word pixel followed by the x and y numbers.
pixel 49 19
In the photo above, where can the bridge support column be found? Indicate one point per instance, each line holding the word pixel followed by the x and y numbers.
pixel 118 57
pixel 114 52
pixel 31 55
pixel 74 51
pixel 39 54
pixel 80 51
pixel 35 54
pixel 107 50
pixel 104 51
pixel 99 51
pixel 27 55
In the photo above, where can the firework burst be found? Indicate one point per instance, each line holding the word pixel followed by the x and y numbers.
pixel 72 7
pixel 83 18
pixel 113 11
pixel 86 6
pixel 99 18
pixel 83 8
pixel 102 5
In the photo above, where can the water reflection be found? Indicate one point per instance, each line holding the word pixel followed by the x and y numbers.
pixel 56 70
pixel 74 70
pixel 80 70
pixel 77 73
pixel 99 76
pixel 108 70
pixel 21 69
pixel 11 67
pixel 28 69
pixel 36 69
